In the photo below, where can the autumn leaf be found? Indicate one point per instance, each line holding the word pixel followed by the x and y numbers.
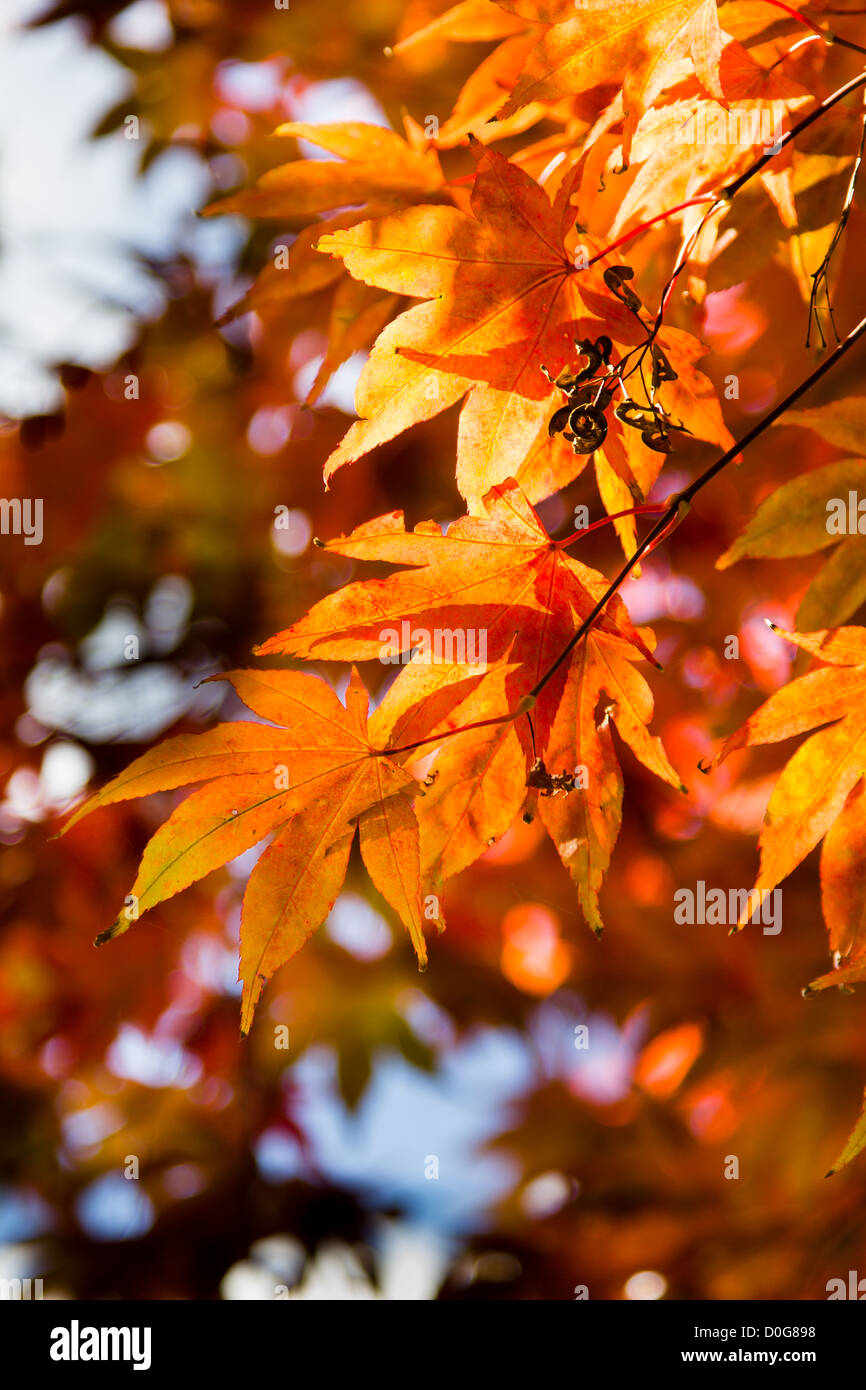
pixel 806 514
pixel 854 1146
pixel 721 139
pixel 506 300
pixel 813 788
pixel 310 780
pixel 502 578
pixel 496 579
pixel 794 520
pixel 478 776
pixel 300 271
pixel 603 688
pixel 471 21
pixel 373 163
pixel 842 424
pixel 608 43
pixel 480 99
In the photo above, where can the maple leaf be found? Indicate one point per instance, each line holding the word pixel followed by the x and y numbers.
pixel 478 776
pixel 374 163
pixel 842 423
pixel 506 306
pixel 793 519
pixel 471 21
pixel 504 302
pixel 813 788
pixel 801 517
pixel 499 575
pixel 720 142
pixel 276 284
pixel 636 45
pixel 585 823
pixel 480 98
pixel 311 780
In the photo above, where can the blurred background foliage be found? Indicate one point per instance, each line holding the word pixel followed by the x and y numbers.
pixel 437 1135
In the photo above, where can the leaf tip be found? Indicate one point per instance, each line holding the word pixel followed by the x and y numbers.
pixel 109 934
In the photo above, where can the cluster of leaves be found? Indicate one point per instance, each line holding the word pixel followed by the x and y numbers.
pixel 517 259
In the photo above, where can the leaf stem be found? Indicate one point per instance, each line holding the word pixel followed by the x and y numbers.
pixel 826 34
pixel 644 226
pixel 651 509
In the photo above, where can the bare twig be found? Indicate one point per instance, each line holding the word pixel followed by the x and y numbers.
pixel 820 276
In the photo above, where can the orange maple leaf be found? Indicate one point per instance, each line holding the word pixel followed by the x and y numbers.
pixel 637 46
pixel 506 304
pixel 813 788
pixel 312 780
pixel 373 164
pixel 500 576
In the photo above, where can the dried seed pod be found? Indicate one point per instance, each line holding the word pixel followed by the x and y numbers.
pixel 614 278
pixel 597 352
pixel 662 369
pixel 650 422
pixel 587 429
pixel 559 420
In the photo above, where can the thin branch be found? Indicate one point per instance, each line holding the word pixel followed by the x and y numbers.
pixel 730 189
pixel 821 275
